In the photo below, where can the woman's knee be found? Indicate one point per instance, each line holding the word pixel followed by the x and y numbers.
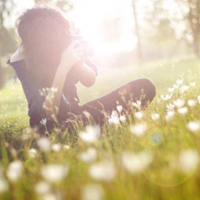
pixel 144 87
pixel 148 88
pixel 148 84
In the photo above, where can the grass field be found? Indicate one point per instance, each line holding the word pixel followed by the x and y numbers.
pixel 153 154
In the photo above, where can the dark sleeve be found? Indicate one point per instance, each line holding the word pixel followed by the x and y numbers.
pixel 31 91
pixel 91 65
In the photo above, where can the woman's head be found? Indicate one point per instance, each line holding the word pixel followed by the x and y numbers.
pixel 44 34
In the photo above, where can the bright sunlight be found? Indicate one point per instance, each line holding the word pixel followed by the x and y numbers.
pixel 107 25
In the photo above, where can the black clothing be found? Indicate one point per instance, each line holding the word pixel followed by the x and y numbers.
pixel 69 105
pixel 69 101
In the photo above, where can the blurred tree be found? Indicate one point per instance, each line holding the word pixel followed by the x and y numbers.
pixel 1 76
pixel 191 13
pixel 7 40
pixel 159 26
pixel 152 26
pixel 137 33
pixel 175 20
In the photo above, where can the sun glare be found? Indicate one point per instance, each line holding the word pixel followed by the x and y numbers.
pixel 107 24
pixel 92 17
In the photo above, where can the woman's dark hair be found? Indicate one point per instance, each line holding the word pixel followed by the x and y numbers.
pixel 44 34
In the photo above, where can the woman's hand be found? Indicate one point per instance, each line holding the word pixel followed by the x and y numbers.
pixel 72 55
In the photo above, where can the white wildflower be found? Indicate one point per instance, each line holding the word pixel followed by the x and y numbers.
pixel 169 116
pixel 178 103
pixel 44 144
pixel 50 93
pixel 188 160
pixel 56 147
pixel 102 171
pixel 138 115
pixel 119 108
pixel 89 155
pixel 91 134
pixel 54 172
pixel 179 81
pixel 32 153
pixel 136 163
pixel 14 170
pixel 170 113
pixel 43 121
pixel 49 196
pixel 114 118
pixel 92 192
pixel 122 118
pixel 42 188
pixel 183 89
pixel 138 129
pixel 198 98
pixel 183 110
pixel 175 86
pixel 170 90
pixel 166 97
pixel 137 104
pixel 170 106
pixel 66 147
pixel 3 185
pixel 155 116
pixel 194 126
pixel 191 102
pixel 193 84
pixel 53 89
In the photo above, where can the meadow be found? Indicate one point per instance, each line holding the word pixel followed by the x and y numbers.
pixel 149 154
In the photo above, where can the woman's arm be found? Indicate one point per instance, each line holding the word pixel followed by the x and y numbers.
pixel 85 74
pixel 70 57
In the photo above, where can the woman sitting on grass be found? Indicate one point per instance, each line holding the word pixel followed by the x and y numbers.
pixel 50 56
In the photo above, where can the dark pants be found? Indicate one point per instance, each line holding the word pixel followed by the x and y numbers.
pixel 140 89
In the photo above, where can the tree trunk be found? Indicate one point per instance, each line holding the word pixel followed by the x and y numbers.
pixel 196 46
pixel 137 32
pixel 1 76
